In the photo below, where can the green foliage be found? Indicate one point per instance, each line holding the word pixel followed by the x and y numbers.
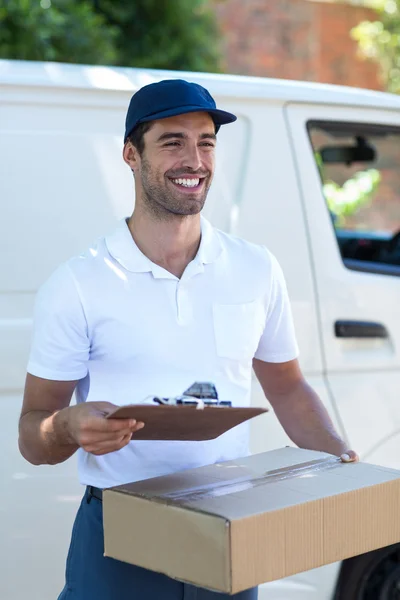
pixel 164 34
pixel 345 200
pixel 380 40
pixel 58 30
pixel 161 34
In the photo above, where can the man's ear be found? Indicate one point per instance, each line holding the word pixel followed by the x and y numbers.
pixel 130 155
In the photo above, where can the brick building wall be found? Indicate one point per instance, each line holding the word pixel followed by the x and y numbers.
pixel 295 39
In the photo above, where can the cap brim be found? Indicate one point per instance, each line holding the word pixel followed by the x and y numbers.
pixel 220 117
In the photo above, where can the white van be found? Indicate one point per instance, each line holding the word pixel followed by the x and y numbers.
pixel 311 171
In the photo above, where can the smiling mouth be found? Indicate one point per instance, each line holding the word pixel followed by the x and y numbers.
pixel 188 183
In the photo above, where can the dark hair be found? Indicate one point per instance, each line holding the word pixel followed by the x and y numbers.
pixel 137 135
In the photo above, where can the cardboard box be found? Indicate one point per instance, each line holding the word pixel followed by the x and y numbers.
pixel 237 524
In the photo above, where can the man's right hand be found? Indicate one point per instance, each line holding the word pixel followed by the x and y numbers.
pixel 51 430
pixel 87 426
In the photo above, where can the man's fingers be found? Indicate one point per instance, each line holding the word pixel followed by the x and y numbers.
pixel 105 407
pixel 349 456
pixel 138 426
pixel 102 424
pixel 91 436
pixel 104 442
pixel 107 447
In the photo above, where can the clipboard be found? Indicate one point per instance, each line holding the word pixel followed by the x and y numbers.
pixel 184 422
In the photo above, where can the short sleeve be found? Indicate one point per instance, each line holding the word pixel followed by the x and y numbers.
pixel 60 343
pixel 278 342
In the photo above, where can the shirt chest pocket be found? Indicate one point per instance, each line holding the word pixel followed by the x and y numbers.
pixel 238 328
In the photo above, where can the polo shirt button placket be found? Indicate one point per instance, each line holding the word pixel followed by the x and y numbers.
pixel 183 303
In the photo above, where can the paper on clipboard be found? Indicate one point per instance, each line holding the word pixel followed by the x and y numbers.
pixel 184 422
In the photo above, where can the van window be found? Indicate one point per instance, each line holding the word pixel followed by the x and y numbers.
pixel 359 166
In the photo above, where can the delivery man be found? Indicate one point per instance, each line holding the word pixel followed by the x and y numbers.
pixel 161 302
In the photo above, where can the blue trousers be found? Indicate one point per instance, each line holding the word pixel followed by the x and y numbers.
pixel 91 576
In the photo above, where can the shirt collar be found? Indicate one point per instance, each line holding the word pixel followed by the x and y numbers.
pixel 124 250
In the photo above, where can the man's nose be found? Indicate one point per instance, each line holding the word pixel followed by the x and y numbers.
pixel 192 158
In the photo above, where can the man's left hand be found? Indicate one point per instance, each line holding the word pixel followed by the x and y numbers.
pixel 349 456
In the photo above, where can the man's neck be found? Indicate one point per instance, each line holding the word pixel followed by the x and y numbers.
pixel 171 244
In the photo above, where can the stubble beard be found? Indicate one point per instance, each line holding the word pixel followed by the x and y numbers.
pixel 162 203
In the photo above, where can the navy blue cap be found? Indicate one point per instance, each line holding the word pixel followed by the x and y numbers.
pixel 169 98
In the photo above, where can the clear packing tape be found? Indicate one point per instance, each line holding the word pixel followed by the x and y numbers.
pixel 232 486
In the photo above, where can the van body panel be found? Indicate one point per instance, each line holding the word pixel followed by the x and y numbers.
pixel 317 584
pixel 270 213
pixel 37 509
pixel 363 374
pixel 344 293
pixel 111 79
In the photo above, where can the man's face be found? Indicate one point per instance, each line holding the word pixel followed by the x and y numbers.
pixel 175 171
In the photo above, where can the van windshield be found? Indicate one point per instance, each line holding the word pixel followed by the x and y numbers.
pixel 359 165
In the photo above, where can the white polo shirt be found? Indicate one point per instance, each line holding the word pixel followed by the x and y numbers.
pixel 126 328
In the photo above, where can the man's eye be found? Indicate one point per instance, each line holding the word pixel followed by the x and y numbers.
pixel 207 144
pixel 172 144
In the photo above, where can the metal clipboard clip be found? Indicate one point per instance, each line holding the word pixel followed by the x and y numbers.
pixel 200 394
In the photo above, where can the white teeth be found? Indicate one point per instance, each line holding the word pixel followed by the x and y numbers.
pixel 187 182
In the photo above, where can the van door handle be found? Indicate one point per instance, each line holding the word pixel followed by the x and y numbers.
pixel 360 329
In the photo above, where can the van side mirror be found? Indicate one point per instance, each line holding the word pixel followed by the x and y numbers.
pixel 362 152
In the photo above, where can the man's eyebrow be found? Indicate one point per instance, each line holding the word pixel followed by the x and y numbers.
pixel 208 136
pixel 171 135
pixel 182 136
